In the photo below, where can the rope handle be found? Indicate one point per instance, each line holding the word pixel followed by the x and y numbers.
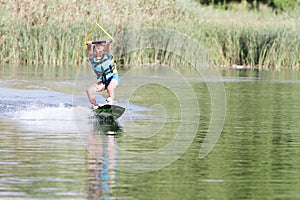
pixel 96 25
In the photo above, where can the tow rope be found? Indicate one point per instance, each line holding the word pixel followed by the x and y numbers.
pixel 96 25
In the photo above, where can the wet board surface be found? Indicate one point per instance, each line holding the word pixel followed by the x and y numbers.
pixel 109 111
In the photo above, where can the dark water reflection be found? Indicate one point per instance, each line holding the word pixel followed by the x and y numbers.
pixel 44 157
pixel 102 163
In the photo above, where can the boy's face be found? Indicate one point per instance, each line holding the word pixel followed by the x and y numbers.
pixel 98 51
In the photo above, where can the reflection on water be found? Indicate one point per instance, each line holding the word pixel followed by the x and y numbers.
pixel 101 163
pixel 42 156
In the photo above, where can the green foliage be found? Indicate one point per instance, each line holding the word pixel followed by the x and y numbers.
pixel 43 33
pixel 257 47
pixel 282 5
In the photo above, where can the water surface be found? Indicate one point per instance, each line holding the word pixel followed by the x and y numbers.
pixel 51 147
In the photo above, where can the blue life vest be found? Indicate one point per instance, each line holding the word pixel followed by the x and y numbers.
pixel 104 67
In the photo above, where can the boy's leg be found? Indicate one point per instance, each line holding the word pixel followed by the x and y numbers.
pixel 98 87
pixel 111 89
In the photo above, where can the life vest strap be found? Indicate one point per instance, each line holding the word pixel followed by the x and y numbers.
pixel 106 72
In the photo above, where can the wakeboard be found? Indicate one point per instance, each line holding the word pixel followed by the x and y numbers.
pixel 109 111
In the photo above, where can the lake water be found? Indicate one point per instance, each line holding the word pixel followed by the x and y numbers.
pixel 51 146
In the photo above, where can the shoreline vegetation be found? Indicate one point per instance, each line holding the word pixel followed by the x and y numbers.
pixel 52 32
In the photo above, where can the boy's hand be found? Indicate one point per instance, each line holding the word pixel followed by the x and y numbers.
pixel 108 41
pixel 88 42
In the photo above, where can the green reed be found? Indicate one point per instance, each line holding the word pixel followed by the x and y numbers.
pixel 52 33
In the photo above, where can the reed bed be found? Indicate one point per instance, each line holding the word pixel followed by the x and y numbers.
pixel 52 32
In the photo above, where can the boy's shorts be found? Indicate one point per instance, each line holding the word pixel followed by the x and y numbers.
pixel 115 77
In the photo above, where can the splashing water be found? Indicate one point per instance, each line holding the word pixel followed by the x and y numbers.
pixel 38 110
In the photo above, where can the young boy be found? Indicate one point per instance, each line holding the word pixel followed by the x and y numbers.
pixel 105 69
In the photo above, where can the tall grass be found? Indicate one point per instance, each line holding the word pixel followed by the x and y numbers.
pixel 52 32
pixel 259 47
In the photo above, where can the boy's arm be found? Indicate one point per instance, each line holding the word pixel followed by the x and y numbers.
pixel 89 49
pixel 107 47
